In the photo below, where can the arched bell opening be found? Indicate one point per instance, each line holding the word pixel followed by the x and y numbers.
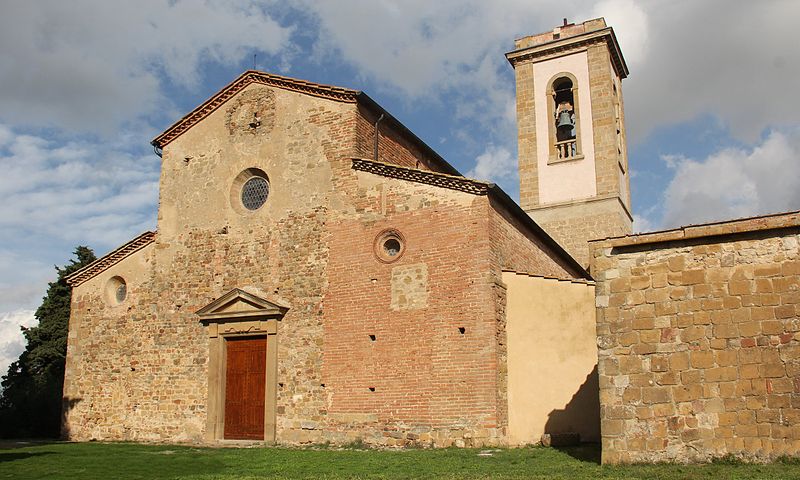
pixel 565 123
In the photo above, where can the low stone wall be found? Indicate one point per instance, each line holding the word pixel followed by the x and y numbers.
pixel 699 342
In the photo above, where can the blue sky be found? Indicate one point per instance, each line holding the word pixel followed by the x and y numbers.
pixel 712 111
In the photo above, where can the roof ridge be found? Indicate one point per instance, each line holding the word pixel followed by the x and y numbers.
pixel 103 263
pixel 438 179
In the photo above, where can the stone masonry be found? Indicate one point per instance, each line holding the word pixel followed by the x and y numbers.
pixel 699 341
pixel 604 210
pixel 407 350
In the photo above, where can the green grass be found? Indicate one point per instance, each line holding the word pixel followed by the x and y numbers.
pixel 122 461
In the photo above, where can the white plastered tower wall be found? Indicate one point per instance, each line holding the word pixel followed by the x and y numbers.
pixel 576 188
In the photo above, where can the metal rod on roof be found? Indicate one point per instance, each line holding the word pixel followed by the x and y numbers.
pixel 375 149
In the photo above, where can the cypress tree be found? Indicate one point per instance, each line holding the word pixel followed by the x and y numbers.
pixel 30 402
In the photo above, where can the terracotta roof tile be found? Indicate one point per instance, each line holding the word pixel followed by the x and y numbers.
pixel 252 76
pixel 110 259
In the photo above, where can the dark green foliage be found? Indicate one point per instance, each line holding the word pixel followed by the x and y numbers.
pixel 30 403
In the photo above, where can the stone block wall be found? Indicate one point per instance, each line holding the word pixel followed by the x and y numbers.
pixel 699 341
pixel 574 224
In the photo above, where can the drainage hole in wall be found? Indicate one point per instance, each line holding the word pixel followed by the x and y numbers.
pixel 372 337
pixel 280 385
pixel 371 389
pixel 462 330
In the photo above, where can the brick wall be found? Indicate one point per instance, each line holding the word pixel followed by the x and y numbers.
pixel 699 342
pixel 515 248
pixel 394 146
pixel 419 377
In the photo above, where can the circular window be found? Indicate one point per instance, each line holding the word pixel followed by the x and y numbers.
pixel 249 191
pixel 389 245
pixel 121 293
pixel 255 192
pixel 116 290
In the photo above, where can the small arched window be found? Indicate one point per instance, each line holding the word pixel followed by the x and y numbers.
pixel 564 124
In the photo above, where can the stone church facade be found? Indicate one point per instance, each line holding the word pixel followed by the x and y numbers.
pixel 319 274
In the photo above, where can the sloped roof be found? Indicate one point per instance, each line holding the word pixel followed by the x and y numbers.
pixel 111 258
pixel 339 94
pixel 252 76
pixel 474 187
pixel 453 182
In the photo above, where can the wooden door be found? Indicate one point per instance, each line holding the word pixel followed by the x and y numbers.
pixel 245 380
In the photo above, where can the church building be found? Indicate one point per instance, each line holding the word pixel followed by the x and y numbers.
pixel 320 274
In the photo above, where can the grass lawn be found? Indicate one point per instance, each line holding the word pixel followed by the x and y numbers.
pixel 87 461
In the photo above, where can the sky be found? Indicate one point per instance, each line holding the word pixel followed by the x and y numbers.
pixel 712 111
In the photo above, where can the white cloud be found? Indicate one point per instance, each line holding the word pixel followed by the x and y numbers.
pixel 12 343
pixel 495 164
pixel 728 61
pixel 421 50
pixel 74 192
pixel 642 224
pixel 720 59
pixel 631 25
pixel 735 182
pixel 91 66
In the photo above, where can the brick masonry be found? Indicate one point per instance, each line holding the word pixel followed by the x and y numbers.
pixel 392 353
pixel 699 342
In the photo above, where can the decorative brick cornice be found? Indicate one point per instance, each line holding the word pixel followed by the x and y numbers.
pixel 253 76
pixel 110 259
pixel 443 180
pixel 568 44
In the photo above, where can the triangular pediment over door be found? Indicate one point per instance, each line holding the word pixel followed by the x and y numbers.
pixel 238 305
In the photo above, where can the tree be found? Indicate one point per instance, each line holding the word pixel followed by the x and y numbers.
pixel 30 402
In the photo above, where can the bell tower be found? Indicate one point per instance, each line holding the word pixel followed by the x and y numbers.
pixel 573 163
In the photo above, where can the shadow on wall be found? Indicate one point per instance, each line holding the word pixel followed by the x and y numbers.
pixel 581 415
pixel 67 404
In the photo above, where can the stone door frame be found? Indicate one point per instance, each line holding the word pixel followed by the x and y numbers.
pixel 239 314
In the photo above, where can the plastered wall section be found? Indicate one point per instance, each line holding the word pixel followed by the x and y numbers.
pixel 552 359
pixel 699 350
pixel 563 181
pixel 514 247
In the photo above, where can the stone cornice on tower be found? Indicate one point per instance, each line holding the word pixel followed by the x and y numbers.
pixel 574 36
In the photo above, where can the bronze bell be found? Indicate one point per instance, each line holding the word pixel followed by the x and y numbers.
pixel 565 120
